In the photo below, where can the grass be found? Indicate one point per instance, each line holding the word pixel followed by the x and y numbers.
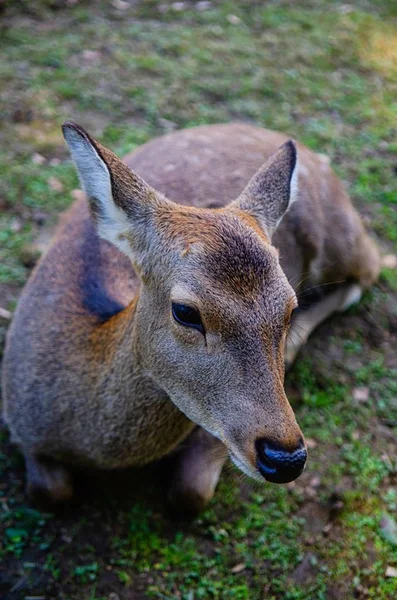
pixel 325 72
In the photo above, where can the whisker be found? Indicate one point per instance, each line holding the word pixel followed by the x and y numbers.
pixel 308 291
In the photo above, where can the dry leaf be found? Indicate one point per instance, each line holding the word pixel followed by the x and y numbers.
pixel 391 572
pixel 238 568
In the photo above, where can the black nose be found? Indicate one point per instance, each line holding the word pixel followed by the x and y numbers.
pixel 277 464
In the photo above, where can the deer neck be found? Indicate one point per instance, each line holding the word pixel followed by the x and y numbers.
pixel 135 400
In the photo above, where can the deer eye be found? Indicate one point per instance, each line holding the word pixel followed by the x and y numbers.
pixel 187 316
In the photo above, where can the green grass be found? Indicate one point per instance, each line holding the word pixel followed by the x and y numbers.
pixel 326 73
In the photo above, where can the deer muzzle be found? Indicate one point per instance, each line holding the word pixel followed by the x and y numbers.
pixel 278 464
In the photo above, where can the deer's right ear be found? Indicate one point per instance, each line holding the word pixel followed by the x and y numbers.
pixel 121 203
pixel 272 189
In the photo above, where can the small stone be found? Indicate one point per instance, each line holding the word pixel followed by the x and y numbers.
pixel 387 460
pixel 233 19
pixel 38 159
pixel 345 9
pixel 54 162
pixel 5 314
pixel 361 590
pixel 16 225
pixel 327 528
pixel 167 124
pixel 310 443
pixel 388 528
pixel 55 184
pixel 310 492
pixel 366 220
pixel 391 572
pixel 360 394
pixel 91 56
pixel 178 6
pixel 238 568
pixel 77 194
pixel 325 159
pixel 315 481
pixel 389 261
pixel 203 5
pixel 337 506
pixel 120 4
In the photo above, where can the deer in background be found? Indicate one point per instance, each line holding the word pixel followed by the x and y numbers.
pixel 160 320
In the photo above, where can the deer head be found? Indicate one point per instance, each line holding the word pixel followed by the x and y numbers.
pixel 214 305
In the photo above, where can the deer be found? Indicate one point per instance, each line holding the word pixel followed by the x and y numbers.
pixel 164 314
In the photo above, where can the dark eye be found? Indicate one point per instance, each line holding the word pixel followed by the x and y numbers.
pixel 187 316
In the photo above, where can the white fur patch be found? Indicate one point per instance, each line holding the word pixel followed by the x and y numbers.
pixel 353 295
pixel 294 189
pixel 293 195
pixel 247 470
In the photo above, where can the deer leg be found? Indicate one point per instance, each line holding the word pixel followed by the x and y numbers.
pixel 197 472
pixel 48 482
pixel 307 320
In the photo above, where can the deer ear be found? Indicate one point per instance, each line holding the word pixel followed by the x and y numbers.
pixel 272 189
pixel 121 203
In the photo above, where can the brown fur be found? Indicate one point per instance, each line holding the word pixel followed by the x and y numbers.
pixel 97 372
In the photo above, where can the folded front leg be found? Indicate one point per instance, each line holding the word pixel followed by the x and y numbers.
pixel 197 472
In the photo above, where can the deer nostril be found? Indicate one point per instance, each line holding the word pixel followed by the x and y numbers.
pixel 277 464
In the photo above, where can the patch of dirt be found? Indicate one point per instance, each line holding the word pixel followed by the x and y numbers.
pixel 82 531
pixel 316 516
pixel 306 571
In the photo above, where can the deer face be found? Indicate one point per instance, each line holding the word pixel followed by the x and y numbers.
pixel 214 308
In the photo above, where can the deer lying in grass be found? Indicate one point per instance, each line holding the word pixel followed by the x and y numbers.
pixel 149 317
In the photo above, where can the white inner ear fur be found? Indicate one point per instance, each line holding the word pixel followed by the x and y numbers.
pixel 293 195
pixel 294 184
pixel 112 223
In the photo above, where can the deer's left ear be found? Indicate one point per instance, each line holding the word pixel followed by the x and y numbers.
pixel 122 204
pixel 272 189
